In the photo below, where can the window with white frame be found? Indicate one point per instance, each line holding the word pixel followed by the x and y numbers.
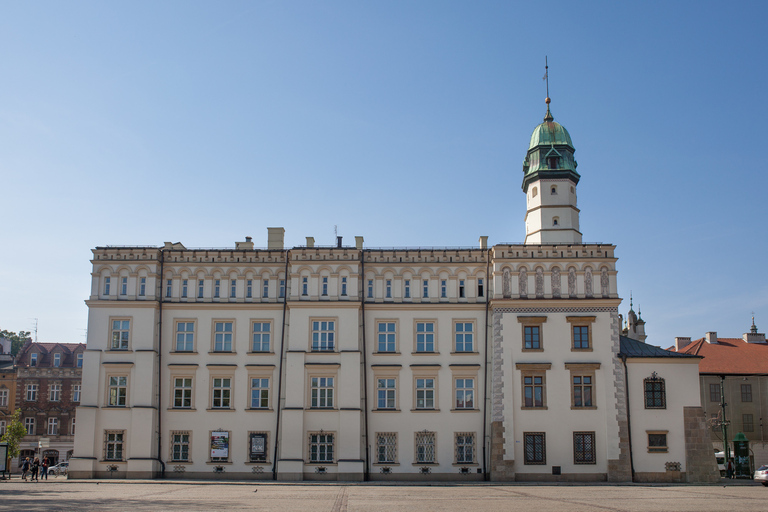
pixel 118 391
pixel 53 426
pixel 56 360
pixel 114 445
pixel 261 336
pixel 389 288
pixel 425 286
pixel 217 288
pixel 123 286
pixel 182 392
pixel 464 336
pixel 76 392
pixel 168 287
pixel 582 390
pixel 54 393
pixel 407 293
pixel 180 446
pixel 142 286
pixel 343 286
pixel 325 286
pixel 462 293
pixel 200 288
pixel 184 288
pixel 249 288
pixel 33 359
pixel 32 392
pixel 282 288
pixel 265 288
pixel 425 393
pixel 185 336
pixel 465 447
pixel 3 398
pixel 29 426
pixel 323 335
pixel 465 393
pixel 320 447
pixel 480 287
pixel 321 393
pixel 121 334
pixel 221 398
pixel 425 448
pixel 72 427
pixel 232 288
pixel 370 288
pixel 443 289
pixel 79 362
pixel 107 283
pixel 387 336
pixel 425 336
pixel 386 393
pixel 259 393
pixel 386 447
pixel 304 286
pixel 222 336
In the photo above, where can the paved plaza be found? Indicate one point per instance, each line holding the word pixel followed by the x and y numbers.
pixel 59 494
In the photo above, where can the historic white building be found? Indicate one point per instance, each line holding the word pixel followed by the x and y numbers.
pixel 351 363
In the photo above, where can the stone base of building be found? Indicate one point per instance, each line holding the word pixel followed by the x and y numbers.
pixel 501 470
pixel 667 477
pixel 567 477
pixel 620 470
pixel 700 463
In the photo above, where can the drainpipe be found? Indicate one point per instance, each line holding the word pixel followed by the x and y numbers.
pixel 487 292
pixel 629 417
pixel 724 425
pixel 280 366
pixel 366 474
pixel 160 368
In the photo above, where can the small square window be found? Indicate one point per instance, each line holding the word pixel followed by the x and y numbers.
pixel 657 441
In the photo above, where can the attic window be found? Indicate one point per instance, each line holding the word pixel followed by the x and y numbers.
pixel 33 359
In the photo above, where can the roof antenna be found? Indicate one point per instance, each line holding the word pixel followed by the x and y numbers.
pixel 548 117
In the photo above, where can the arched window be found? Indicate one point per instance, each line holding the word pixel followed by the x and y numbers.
pixel 554 190
pixel 555 221
pixel 655 394
pixel 535 192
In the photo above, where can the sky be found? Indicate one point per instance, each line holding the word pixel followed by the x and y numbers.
pixel 405 122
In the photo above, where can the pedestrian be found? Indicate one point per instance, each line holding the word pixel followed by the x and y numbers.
pixel 44 471
pixel 730 468
pixel 24 468
pixel 35 469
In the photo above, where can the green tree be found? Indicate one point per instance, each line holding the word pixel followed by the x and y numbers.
pixel 14 433
pixel 17 340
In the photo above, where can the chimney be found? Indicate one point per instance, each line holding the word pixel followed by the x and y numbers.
pixel 358 242
pixel 275 238
pixel 483 242
pixel 248 244
pixel 681 343
pixel 310 241
pixel 338 242
pixel 711 337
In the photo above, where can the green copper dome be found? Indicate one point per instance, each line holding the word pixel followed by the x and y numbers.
pixel 550 154
pixel 548 133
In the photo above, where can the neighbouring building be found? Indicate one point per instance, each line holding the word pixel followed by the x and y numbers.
pixel 48 390
pixel 7 384
pixel 343 362
pixel 734 371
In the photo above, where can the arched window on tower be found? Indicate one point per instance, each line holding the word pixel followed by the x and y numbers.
pixel 556 221
pixel 534 192
pixel 554 190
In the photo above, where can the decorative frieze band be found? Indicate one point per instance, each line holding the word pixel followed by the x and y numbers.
pixel 558 310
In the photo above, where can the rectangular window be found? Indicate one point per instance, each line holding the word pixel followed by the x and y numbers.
pixel 343 286
pixel 32 392
pixel 261 337
pixel 118 391
pixel 325 286
pixel 29 426
pixel 168 287
pixel 265 288
pixel 580 336
pixel 232 288
pixel 184 288
pixel 222 337
pixel 33 359
pixel 582 391
pixel 532 337
pixel 76 392
pixel 222 393
pixel 72 427
pixel 533 389
pixel 180 447
pixel 322 392
pixel 3 398
pixel 121 330
pixel 425 393
pixel 54 393
pixel 425 448
pixel 465 448
pixel 655 394
pixel 305 286
pixel 387 337
pixel 389 288
pixel 425 285
pixel 259 393
pixel 370 288
pixel 124 286
pixel 657 441
pixel 746 392
pixel 323 335
pixel 386 393
pixel 185 336
pixel 464 336
pixel 107 281
pixel 2 427
pixel 407 288
pixel 386 448
pixel 142 286
pixel 53 426
pixel 249 288
pixel 217 288
pixel 443 289
pixel 461 289
pixel 747 422
pixel 56 360
pixel 282 288
pixel 584 448
pixel 480 287
pixel 182 393
pixel 535 448
pixel 714 392
pixel 113 444
pixel 425 336
pixel 79 360
pixel 200 288
pixel 465 393
pixel 321 448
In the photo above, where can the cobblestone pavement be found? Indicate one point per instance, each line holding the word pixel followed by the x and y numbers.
pixel 59 494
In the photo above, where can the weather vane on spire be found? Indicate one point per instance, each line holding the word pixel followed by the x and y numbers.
pixel 548 117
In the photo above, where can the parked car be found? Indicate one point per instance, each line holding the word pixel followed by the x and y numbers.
pixel 59 469
pixel 761 475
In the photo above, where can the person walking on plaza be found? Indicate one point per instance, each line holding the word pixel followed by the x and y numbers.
pixel 44 470
pixel 35 469
pixel 24 468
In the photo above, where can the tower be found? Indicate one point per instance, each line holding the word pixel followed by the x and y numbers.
pixel 549 183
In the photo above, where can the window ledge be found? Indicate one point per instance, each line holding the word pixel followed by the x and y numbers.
pixel 114 350
pixel 588 349
pixel 425 464
pixel 115 407
pixel 465 464
pixel 310 351
pixel 317 463
pixel 425 353
pixel 256 462
pixel 465 353
pixel 658 450
pixel 220 409
pixel 179 462
pixel 181 409
pixel 543 408
pixel 385 464
pixel 386 353
pixel 322 409
pixel 533 350
pixel 182 352
pixel 385 410
pixel 465 410
pixel 107 461
pixel 583 407
pixel 259 409
pixel 225 352
pixel 425 410
pixel 219 463
pixel 260 353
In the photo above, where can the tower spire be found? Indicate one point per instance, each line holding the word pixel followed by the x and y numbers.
pixel 547 117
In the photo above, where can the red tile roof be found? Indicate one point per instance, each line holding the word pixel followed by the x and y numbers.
pixel 730 356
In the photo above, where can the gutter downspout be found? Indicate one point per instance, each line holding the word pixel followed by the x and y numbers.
pixel 366 474
pixel 487 291
pixel 280 369
pixel 629 417
pixel 160 367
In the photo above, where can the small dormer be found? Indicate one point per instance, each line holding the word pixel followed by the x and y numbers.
pixel 34 358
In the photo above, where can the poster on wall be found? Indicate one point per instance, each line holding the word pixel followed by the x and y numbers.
pixel 258 447
pixel 3 457
pixel 219 445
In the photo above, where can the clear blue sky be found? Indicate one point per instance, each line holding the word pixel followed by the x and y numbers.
pixel 127 123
